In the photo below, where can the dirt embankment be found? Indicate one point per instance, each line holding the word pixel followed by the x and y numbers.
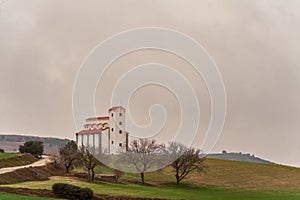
pixel 24 159
pixel 30 174
pixel 39 163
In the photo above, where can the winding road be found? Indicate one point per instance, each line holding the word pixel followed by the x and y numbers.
pixel 39 163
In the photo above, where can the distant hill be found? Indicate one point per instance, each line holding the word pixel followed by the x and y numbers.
pixel 11 143
pixel 239 157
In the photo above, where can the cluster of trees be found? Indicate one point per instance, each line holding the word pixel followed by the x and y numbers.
pixel 35 148
pixel 70 156
pixel 142 154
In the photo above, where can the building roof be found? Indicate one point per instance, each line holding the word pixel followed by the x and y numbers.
pixel 96 124
pixel 115 108
pixel 97 118
pixel 90 131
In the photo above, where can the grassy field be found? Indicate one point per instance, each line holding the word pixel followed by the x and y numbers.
pixel 8 155
pixel 228 174
pixel 223 180
pixel 167 191
pixel 8 196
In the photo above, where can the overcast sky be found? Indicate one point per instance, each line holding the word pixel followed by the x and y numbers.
pixel 254 43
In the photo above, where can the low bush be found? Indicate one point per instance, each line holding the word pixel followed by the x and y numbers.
pixel 72 192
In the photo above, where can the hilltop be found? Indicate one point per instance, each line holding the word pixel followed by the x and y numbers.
pixel 11 143
pixel 239 157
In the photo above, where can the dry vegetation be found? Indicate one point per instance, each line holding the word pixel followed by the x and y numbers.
pixel 30 174
pixel 20 160
pixel 250 176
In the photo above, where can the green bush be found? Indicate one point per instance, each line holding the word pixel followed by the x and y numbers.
pixel 35 148
pixel 72 192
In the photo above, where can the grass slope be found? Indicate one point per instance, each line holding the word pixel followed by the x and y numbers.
pixel 8 155
pixel 30 174
pixel 170 191
pixel 227 174
pixel 9 196
pixel 233 175
pixel 12 160
pixel 223 180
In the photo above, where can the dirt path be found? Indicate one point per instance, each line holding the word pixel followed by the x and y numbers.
pixel 39 163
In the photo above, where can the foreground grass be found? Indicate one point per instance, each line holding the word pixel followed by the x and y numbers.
pixel 9 155
pixel 168 191
pixel 224 180
pixel 227 174
pixel 8 196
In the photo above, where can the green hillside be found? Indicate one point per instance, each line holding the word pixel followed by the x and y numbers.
pixel 13 160
pixel 223 180
pixel 8 155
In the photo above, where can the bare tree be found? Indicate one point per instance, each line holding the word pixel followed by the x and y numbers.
pixel 185 159
pixel 68 155
pixel 141 153
pixel 89 162
pixel 56 160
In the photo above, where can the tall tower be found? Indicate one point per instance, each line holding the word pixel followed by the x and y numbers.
pixel 118 136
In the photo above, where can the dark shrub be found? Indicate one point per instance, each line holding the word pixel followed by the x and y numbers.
pixel 35 148
pixel 72 192
pixel 1 150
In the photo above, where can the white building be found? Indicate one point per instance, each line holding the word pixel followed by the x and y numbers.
pixel 105 133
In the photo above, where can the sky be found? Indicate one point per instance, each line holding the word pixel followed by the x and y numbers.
pixel 254 43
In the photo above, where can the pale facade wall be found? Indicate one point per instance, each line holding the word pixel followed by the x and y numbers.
pixel 112 128
pixel 117 130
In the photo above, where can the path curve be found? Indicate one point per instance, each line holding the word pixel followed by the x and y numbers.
pixel 39 163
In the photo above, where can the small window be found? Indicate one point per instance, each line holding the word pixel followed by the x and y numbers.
pixel 120 114
pixel 120 131
pixel 120 123
pixel 112 142
pixel 112 129
pixel 120 144
pixel 112 114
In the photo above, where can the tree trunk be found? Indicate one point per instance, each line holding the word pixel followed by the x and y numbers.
pixel 177 181
pixel 177 177
pixel 89 176
pixel 68 169
pixel 93 175
pixel 142 177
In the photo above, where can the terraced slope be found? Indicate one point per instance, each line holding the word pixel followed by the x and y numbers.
pixel 13 160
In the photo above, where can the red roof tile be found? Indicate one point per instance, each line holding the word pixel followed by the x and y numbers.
pixel 115 108
pixel 97 118
pixel 90 131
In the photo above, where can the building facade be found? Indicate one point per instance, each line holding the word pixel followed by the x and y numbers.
pixel 105 134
